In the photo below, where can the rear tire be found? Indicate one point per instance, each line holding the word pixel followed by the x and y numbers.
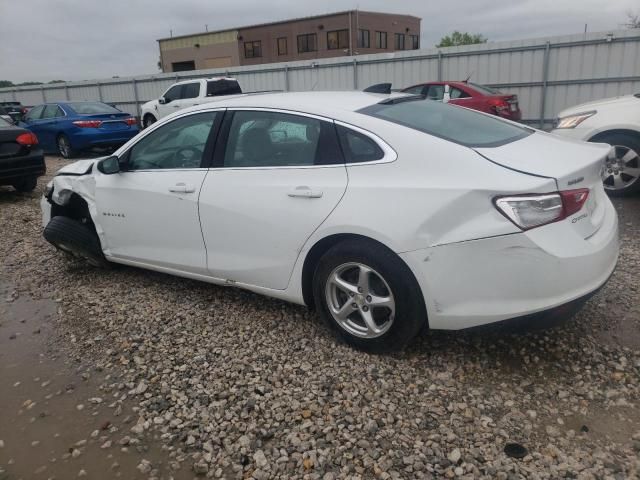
pixel 64 146
pixel 387 311
pixel 27 184
pixel 75 238
pixel 148 120
pixel 627 148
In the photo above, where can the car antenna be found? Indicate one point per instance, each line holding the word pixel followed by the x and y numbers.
pixel 468 78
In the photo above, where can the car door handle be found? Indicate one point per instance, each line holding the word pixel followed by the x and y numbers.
pixel 182 188
pixel 304 192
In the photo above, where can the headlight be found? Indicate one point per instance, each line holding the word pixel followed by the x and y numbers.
pixel 572 121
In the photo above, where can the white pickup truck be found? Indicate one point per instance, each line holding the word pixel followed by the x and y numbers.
pixel 187 94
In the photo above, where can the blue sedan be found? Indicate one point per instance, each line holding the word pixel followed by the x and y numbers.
pixel 69 127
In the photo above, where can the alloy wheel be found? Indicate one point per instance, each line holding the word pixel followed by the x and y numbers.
pixel 360 300
pixel 622 169
pixel 64 147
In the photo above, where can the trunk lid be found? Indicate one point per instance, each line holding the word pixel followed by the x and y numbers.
pixel 572 164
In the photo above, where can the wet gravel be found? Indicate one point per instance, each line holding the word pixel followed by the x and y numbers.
pixel 228 384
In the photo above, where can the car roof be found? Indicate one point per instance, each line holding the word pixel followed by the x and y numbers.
pixel 211 79
pixel 320 103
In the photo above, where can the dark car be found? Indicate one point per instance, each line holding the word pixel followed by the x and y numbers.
pixel 471 95
pixel 21 158
pixel 14 109
pixel 67 128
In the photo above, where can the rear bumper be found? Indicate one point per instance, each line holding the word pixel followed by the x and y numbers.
pixel 31 165
pixel 91 137
pixel 479 282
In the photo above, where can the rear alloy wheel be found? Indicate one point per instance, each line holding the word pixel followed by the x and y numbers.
pixel 621 174
pixel 64 146
pixel 368 296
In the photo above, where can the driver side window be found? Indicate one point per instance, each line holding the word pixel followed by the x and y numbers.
pixel 173 93
pixel 179 144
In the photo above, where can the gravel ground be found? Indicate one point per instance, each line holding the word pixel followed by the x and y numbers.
pixel 229 384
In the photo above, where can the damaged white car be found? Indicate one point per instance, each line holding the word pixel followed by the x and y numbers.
pixel 387 213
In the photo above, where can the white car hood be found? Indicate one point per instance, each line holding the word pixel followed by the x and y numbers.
pixel 585 107
pixel 80 167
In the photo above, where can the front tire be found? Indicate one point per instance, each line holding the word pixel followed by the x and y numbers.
pixel 27 184
pixel 64 146
pixel 148 120
pixel 76 239
pixel 368 296
pixel 621 176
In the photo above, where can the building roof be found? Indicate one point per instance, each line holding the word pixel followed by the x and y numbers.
pixel 311 17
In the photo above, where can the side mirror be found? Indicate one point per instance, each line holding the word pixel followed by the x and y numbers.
pixel 447 94
pixel 162 101
pixel 109 165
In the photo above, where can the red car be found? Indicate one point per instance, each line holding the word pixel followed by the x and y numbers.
pixel 471 95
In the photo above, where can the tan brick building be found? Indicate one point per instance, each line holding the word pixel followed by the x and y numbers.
pixel 351 32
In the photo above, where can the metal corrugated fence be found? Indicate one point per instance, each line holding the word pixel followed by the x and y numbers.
pixel 547 74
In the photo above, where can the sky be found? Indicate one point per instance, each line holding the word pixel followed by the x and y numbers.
pixel 42 40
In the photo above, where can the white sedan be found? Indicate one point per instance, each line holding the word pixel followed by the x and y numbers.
pixel 615 121
pixel 387 213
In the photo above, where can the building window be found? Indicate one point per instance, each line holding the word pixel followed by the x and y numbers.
pixel 253 49
pixel 381 40
pixel 415 41
pixel 183 66
pixel 307 43
pixel 282 46
pixel 363 39
pixel 399 41
pixel 338 39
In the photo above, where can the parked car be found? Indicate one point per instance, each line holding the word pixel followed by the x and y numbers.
pixel 14 109
pixel 387 213
pixel 187 94
pixel 471 95
pixel 21 158
pixel 69 127
pixel 5 115
pixel 615 121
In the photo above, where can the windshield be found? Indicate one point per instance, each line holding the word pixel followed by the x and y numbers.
pixel 456 124
pixel 88 108
pixel 484 89
pixel 4 123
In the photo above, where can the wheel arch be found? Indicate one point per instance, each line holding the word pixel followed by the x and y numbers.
pixel 319 248
pixel 614 131
pixel 75 207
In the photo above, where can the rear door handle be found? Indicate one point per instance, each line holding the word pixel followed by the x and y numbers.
pixel 182 188
pixel 304 192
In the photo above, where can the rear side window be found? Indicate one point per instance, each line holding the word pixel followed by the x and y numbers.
pixel 191 90
pixel 456 124
pixel 273 139
pixel 90 108
pixel 223 87
pixel 35 113
pixel 357 147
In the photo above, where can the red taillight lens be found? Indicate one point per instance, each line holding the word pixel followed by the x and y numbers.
pixel 499 105
pixel 88 123
pixel 573 200
pixel 131 121
pixel 534 210
pixel 27 139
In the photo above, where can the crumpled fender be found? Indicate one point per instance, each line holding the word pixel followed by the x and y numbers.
pixel 78 178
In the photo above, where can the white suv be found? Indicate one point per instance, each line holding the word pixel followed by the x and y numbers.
pixel 615 121
pixel 187 94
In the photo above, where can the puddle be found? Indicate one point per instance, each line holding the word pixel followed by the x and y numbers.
pixel 40 423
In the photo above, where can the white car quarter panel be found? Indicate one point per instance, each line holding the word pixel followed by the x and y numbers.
pixel 253 229
pixel 144 221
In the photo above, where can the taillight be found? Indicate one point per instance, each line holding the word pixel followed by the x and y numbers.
pixel 130 121
pixel 534 210
pixel 499 105
pixel 88 123
pixel 27 139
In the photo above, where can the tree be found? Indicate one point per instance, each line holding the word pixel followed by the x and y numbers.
pixel 459 38
pixel 633 20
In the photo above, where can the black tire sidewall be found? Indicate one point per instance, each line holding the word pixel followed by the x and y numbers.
pixel 625 140
pixel 410 315
pixel 148 120
pixel 26 185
